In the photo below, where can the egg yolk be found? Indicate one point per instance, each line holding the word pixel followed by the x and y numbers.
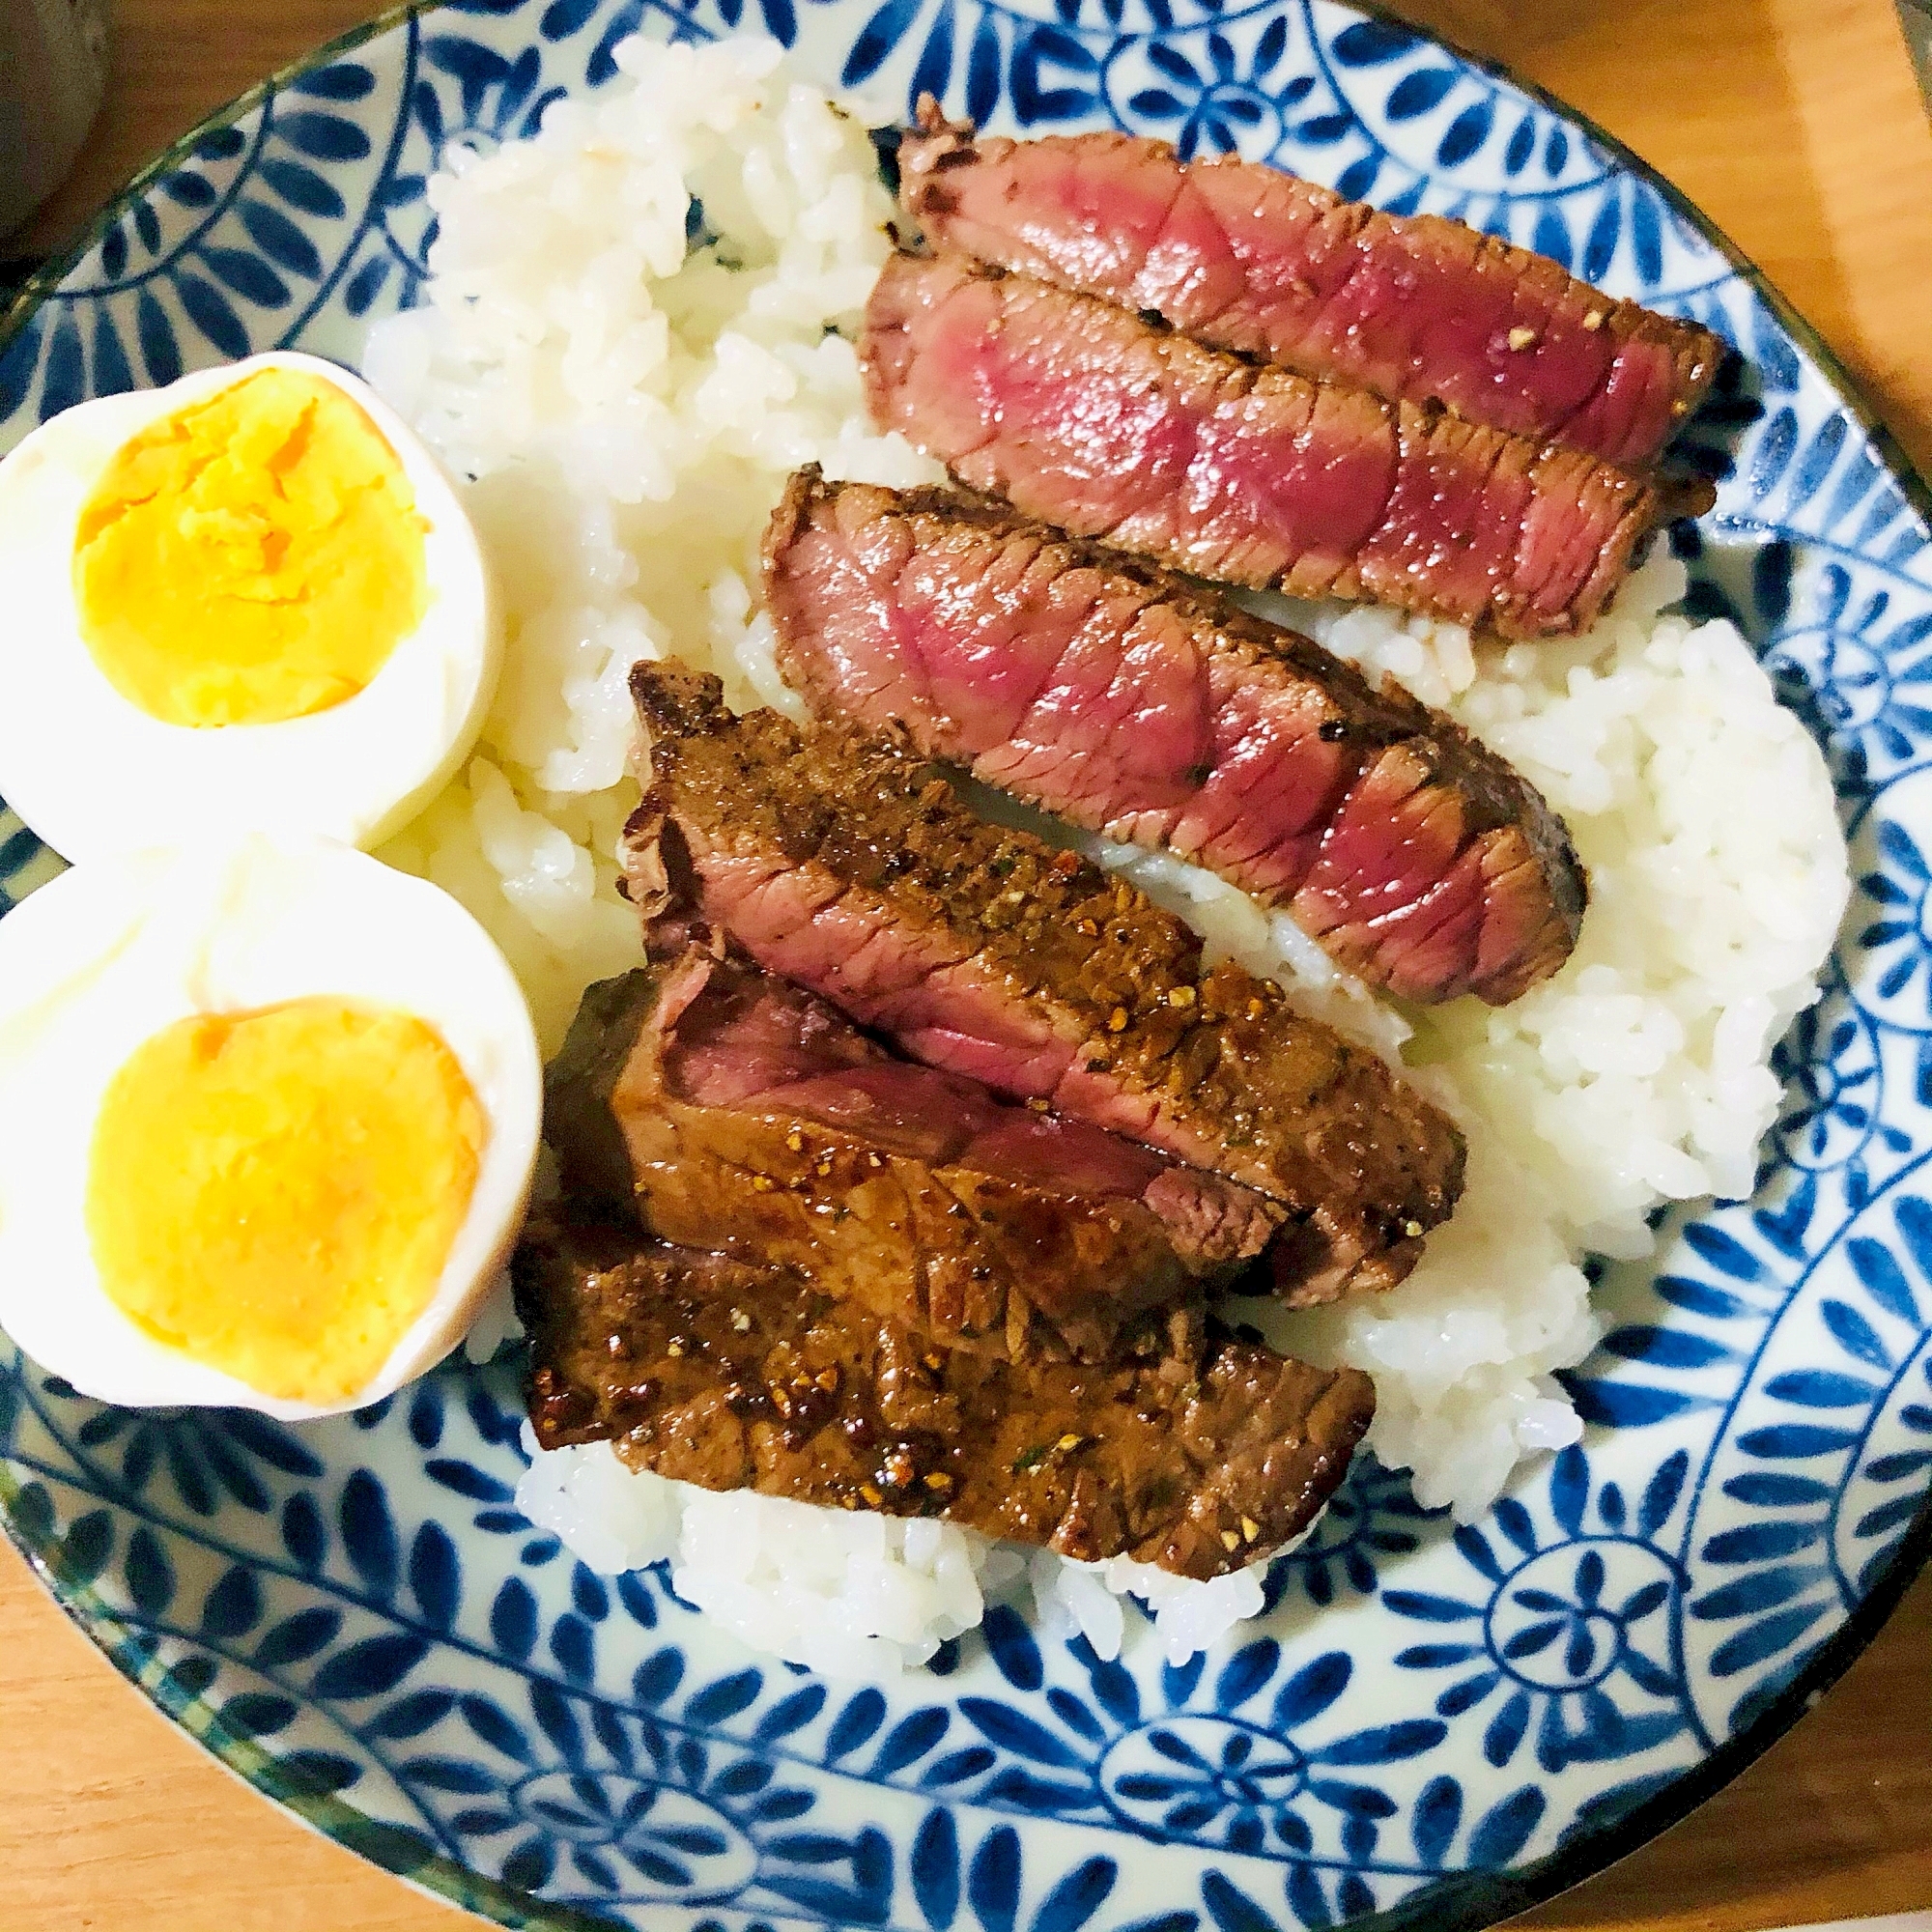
pixel 275 1193
pixel 253 557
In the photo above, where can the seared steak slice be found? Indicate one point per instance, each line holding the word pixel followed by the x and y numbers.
pixel 1087 416
pixel 1245 257
pixel 743 1114
pixel 850 867
pixel 1201 1458
pixel 1139 705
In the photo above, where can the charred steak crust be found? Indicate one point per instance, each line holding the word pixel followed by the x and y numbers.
pixel 849 865
pixel 1200 1459
pixel 1136 703
pixel 738 1114
pixel 1246 258
pixel 1089 417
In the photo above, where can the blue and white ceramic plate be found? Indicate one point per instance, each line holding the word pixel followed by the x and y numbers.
pixel 1432 1726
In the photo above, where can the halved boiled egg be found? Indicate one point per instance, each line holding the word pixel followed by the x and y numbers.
pixel 249 599
pixel 268 1112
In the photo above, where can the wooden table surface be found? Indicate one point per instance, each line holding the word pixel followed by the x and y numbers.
pixel 1796 126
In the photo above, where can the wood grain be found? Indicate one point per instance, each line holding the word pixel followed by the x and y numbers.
pixel 1795 123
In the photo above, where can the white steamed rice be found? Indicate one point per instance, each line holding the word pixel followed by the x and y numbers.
pixel 629 406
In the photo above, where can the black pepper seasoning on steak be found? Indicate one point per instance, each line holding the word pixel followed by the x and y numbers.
pixel 735 1112
pixel 850 867
pixel 1201 1459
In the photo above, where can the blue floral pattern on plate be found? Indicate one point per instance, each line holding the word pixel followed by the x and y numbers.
pixel 1430 1723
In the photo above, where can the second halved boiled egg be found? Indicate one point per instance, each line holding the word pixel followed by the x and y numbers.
pixel 248 600
pixel 268 1112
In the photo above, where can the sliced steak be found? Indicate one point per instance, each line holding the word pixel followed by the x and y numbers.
pixel 850 867
pixel 1087 416
pixel 1245 257
pixel 1201 1458
pixel 1136 704
pixel 746 1115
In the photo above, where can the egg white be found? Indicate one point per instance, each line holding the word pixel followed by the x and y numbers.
pixel 77 759
pixel 107 955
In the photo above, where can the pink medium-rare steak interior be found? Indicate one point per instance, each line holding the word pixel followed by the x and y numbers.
pixel 1136 704
pixel 849 865
pixel 745 1041
pixel 730 1110
pixel 1245 257
pixel 1091 418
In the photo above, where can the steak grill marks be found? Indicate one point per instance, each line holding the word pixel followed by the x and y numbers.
pixel 1200 1458
pixel 1246 258
pixel 734 1112
pixel 849 866
pixel 1157 712
pixel 1084 415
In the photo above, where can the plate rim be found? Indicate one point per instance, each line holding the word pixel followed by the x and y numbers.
pixel 1467 1902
